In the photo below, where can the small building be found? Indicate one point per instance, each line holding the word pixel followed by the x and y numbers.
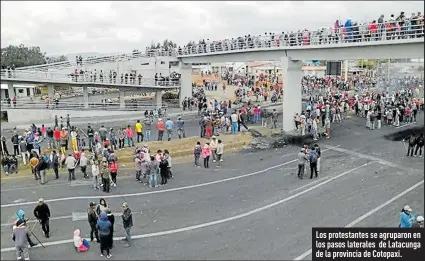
pixel 21 90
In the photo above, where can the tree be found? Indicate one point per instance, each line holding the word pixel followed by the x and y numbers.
pixel 368 64
pixel 57 59
pixel 21 55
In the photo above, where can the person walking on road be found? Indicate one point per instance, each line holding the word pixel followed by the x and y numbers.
pixel 312 156
pixel 20 236
pixel 92 218
pixel 180 128
pixel 42 213
pixel 71 163
pixel 127 221
pixel 104 174
pixel 139 131
pixel 319 156
pixel 147 124
pixel 169 125
pixel 302 159
pixel 161 127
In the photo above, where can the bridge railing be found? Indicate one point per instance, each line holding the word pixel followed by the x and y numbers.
pixel 49 77
pixel 62 105
pixel 100 59
pixel 339 36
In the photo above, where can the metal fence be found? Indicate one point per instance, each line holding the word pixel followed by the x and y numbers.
pixel 101 59
pixel 50 77
pixel 339 36
pixel 61 105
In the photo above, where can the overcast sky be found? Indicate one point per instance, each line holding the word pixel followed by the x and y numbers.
pixel 106 27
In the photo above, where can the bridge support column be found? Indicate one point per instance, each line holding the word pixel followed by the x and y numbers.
pixel 11 91
pixel 158 97
pixel 292 75
pixel 185 82
pixel 122 99
pixel 85 96
pixel 51 91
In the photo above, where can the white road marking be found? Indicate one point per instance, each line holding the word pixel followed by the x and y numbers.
pixel 405 125
pixel 370 213
pixel 216 222
pixel 33 220
pixel 156 191
pixel 19 200
pixel 369 157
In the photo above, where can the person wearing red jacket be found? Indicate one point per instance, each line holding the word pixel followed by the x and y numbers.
pixel 56 137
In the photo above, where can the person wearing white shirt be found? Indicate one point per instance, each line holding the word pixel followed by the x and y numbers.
pixel 74 135
pixel 220 151
pixel 83 164
pixel 234 119
pixel 95 173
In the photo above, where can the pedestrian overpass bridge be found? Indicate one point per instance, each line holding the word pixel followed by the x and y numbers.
pixel 147 85
pixel 292 53
pixel 412 48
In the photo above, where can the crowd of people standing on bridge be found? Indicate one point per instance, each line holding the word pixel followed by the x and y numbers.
pixel 394 27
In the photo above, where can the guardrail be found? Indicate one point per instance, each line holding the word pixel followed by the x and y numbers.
pixel 49 77
pixel 343 35
pixel 95 60
pixel 129 106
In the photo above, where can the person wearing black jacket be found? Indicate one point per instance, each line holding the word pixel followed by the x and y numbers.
pixel 55 163
pixel 163 168
pixel 42 213
pixel 90 135
pixel 15 142
pixel 111 219
pixel 411 141
pixel 419 145
pixel 92 218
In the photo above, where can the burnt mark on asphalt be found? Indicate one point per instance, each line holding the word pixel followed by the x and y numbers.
pixel 404 133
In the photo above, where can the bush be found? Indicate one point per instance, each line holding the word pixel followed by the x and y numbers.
pixel 169 96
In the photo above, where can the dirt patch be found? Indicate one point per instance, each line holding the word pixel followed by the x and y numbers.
pixel 184 147
pixel 181 150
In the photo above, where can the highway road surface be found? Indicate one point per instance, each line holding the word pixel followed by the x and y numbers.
pixel 254 207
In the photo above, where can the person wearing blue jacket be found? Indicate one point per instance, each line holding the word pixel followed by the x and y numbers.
pixel 104 227
pixel 406 218
pixel 349 29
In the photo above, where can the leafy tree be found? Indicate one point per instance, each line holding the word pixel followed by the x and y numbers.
pixel 57 59
pixel 369 64
pixel 22 55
